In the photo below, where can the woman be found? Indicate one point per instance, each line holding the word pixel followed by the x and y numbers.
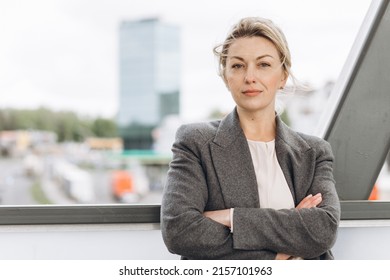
pixel 248 187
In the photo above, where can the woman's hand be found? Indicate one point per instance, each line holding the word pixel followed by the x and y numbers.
pixel 223 216
pixel 308 202
pixel 220 216
pixel 282 256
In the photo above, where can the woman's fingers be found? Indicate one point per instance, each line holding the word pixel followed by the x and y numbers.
pixel 282 256
pixel 317 200
pixel 310 201
pixel 304 202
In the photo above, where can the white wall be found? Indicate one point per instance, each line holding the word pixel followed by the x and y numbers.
pixel 94 242
pixel 356 240
pixel 363 240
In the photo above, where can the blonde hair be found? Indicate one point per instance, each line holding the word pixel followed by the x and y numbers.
pixel 252 27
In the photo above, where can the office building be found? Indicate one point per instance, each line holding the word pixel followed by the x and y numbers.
pixel 149 61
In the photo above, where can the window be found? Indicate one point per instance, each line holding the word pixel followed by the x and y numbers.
pixel 358 128
pixel 89 104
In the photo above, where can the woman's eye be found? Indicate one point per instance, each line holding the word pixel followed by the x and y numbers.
pixel 237 66
pixel 264 65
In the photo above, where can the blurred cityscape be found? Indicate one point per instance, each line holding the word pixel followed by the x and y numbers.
pixel 49 157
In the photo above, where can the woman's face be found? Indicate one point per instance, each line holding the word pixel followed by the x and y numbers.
pixel 254 73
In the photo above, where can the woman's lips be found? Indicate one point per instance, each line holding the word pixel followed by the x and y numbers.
pixel 252 92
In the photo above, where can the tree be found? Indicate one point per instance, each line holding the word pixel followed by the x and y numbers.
pixel 104 128
pixel 66 124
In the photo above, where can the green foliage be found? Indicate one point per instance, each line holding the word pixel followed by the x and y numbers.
pixel 285 118
pixel 38 194
pixel 216 114
pixel 104 128
pixel 67 125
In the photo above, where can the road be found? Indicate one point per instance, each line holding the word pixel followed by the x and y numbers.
pixel 15 187
pixel 103 195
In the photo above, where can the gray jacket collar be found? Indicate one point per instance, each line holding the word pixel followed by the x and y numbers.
pixel 230 128
pixel 232 144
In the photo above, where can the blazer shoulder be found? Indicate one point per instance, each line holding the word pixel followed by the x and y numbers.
pixel 318 144
pixel 198 133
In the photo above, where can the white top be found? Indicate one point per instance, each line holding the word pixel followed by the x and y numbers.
pixel 271 183
pixel 273 188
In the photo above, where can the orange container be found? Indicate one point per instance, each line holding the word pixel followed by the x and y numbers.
pixel 374 193
pixel 122 183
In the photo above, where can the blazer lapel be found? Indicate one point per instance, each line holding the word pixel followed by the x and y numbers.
pixel 233 164
pixel 234 168
pixel 295 158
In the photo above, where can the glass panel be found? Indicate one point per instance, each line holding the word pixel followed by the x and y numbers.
pixel 381 189
pixel 91 94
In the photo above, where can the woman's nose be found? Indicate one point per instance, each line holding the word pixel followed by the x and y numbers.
pixel 250 76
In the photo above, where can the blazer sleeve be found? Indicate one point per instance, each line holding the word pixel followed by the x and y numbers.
pixel 307 233
pixel 184 229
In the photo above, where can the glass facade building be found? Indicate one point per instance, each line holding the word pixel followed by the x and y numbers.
pixel 149 61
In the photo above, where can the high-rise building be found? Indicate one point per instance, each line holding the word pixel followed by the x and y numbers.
pixel 149 60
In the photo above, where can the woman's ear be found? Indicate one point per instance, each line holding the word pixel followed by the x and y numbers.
pixel 284 79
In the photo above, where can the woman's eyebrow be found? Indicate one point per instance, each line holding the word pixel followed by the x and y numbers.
pixel 257 58
pixel 236 57
pixel 265 55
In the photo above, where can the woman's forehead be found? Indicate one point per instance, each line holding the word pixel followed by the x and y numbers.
pixel 252 47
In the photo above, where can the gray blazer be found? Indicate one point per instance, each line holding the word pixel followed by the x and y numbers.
pixel 212 170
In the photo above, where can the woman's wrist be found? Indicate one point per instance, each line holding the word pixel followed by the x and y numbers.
pixel 220 216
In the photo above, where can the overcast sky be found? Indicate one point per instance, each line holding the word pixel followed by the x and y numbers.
pixel 63 54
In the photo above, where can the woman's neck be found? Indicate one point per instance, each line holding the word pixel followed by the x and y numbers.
pixel 258 126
